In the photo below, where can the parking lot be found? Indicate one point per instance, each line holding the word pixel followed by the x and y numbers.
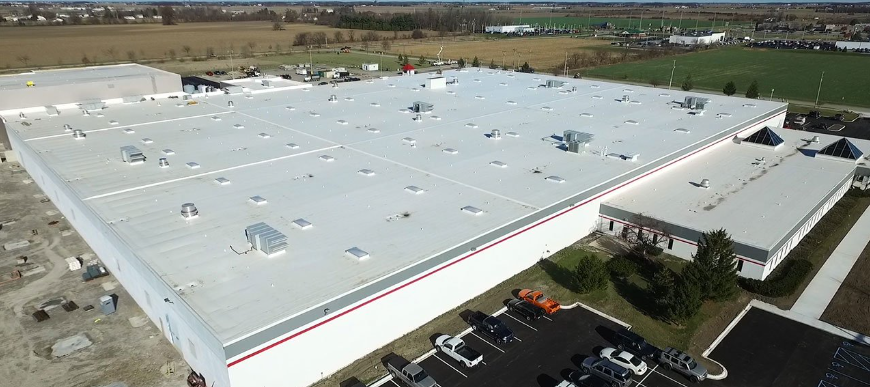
pixel 544 352
pixel 768 350
pixel 858 129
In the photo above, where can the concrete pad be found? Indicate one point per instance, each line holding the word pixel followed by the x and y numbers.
pixel 52 212
pixel 16 245
pixel 69 345
pixel 138 321
pixel 66 232
pixel 109 285
pixel 27 181
pixel 32 271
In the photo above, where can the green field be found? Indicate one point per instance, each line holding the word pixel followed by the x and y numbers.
pixel 636 22
pixel 793 74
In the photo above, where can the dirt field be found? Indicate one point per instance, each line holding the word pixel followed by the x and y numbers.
pixel 540 52
pixel 850 307
pixel 68 45
pixel 119 353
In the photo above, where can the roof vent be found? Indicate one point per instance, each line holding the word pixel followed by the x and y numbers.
pixel 450 151
pixel 302 224
pixel 258 200
pixel 189 211
pixel 230 104
pixel 495 134
pixel 147 140
pixel 414 189
pixel 222 181
pixel 472 210
pixel 554 84
pixel 418 118
pixel 366 172
pixel 333 98
pixel 192 165
pixel 626 98
pixel 705 183
pixel 357 253
pixel 422 107
pixel 67 128
pixel 168 152
pixel 264 238
pixel 555 179
pixel 816 139
pixel 79 135
pixel 497 163
pixel 132 155
pixel 163 162
pixel 292 146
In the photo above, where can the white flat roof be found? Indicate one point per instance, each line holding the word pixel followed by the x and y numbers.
pixel 447 154
pixel 757 194
pixel 76 75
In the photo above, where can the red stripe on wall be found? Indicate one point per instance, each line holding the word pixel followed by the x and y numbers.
pixel 478 251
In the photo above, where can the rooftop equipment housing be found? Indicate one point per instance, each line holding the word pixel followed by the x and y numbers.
pixel 554 84
pixel 695 103
pixel 132 155
pixel 422 107
pixel 575 141
pixel 266 239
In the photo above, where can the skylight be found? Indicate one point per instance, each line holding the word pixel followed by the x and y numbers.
pixel 841 149
pixel 764 136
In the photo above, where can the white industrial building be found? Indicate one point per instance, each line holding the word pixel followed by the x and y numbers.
pixel 275 237
pixel 697 38
pixel 514 29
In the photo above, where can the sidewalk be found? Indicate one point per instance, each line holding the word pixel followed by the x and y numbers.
pixel 818 294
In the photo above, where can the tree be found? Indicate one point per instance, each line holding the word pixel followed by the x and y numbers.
pixel 290 16
pixel 492 64
pixel 350 35
pixel 167 13
pixel 131 56
pixel 421 61
pixel 525 68
pixel 857 37
pixel 172 54
pixel 662 290
pixel 687 83
pixel 713 268
pixel 112 53
pixel 186 50
pixel 647 236
pixel 730 88
pixel 654 82
pixel 302 39
pixel 461 62
pixel 406 60
pixel 475 62
pixel 24 59
pixel 417 34
pixel 590 274
pixel 686 301
pixel 338 37
pixel 386 45
pixel 401 59
pixel 752 91
pixel 277 26
pixel 365 45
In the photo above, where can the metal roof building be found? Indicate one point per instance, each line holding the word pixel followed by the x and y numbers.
pixel 265 231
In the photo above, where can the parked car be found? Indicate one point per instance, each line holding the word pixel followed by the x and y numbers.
pixel 839 117
pixel 456 348
pixel 605 369
pixel 681 362
pixel 524 308
pixel 820 126
pixel 322 83
pixel 579 379
pixel 410 373
pixel 627 340
pixel 624 359
pixel 491 326
pixel 815 114
pixel 537 298
pixel 800 119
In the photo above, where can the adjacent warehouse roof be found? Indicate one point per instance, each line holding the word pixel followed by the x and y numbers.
pixel 756 194
pixel 367 192
pixel 74 76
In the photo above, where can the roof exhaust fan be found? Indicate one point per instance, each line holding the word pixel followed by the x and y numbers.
pixel 230 104
pixel 495 134
pixel 189 211
pixel 816 139
pixel 163 162
pixel 705 183
pixel 67 128
pixel 79 135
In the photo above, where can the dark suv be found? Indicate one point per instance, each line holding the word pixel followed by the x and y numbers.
pixel 611 372
pixel 491 326
pixel 524 308
pixel 627 340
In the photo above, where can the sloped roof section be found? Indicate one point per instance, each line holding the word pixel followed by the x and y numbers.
pixel 843 149
pixel 764 136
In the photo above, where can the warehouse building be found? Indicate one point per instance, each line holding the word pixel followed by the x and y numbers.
pixel 267 235
pixel 697 38
pixel 513 29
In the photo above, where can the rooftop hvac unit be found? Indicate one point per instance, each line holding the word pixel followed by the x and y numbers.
pixel 189 89
pixel 92 105
pixel 230 104
pixel 266 83
pixel 575 136
pixel 422 107
pixel 78 134
pixel 131 154
pixel 333 98
pixel 266 239
pixel 554 84
pixel 188 211
pixel 575 146
pixel 626 98
pixel 695 103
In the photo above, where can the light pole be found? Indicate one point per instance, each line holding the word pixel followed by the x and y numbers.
pixel 771 95
pixel 820 88
pixel 671 82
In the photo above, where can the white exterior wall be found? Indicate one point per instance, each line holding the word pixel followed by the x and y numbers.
pixel 696 40
pixel 205 354
pixel 328 347
pixel 852 45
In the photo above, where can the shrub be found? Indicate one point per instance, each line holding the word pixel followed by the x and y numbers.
pixel 621 267
pixel 784 280
pixel 590 274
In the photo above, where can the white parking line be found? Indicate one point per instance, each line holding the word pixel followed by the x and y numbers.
pixel 648 374
pixel 670 378
pixel 518 339
pixel 447 364
pixel 518 320
pixel 547 318
pixel 484 340
pixel 394 382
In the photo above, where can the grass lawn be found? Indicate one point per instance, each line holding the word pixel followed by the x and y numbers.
pixel 794 74
pixel 619 22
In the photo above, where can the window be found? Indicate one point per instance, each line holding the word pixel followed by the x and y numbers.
pixel 655 239
pixel 739 265
pixel 671 244
pixel 611 226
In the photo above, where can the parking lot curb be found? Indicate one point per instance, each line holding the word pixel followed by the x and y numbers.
pixel 598 312
pixel 709 350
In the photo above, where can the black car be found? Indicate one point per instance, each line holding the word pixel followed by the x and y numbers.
pixel 839 117
pixel 491 326
pixel 627 340
pixel 322 83
pixel 581 379
pixel 815 114
pixel 820 126
pixel 524 308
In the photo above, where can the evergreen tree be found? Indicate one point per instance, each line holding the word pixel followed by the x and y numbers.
pixel 525 68
pixel 401 59
pixel 492 64
pixel 590 274
pixel 752 91
pixel 686 301
pixel 687 83
pixel 406 60
pixel 461 62
pixel 713 267
pixel 421 61
pixel 662 289
pixel 730 88
pixel 475 62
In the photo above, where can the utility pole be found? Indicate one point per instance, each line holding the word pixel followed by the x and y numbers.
pixel 232 67
pixel 566 63
pixel 698 20
pixel 771 95
pixel 671 82
pixel 820 88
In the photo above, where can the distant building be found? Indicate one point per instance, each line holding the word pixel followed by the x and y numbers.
pixel 697 39
pixel 515 29
pixel 370 67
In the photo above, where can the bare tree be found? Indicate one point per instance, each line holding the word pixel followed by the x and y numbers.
pixel 172 54
pixel 319 38
pixel 338 37
pixel 167 14
pixel 24 59
pixel 186 50
pixel 385 44
pixel 365 45
pixel 252 45
pixel 131 56
pixel 350 36
pixel 277 26
pixel 112 53
pixel 646 236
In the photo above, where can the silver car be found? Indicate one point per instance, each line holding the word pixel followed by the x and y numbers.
pixel 679 361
